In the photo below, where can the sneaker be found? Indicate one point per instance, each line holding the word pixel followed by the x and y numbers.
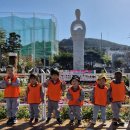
pixel 14 120
pixel 36 120
pixel 71 122
pixel 48 119
pixel 120 122
pixel 9 121
pixel 59 121
pixel 114 121
pixel 103 123
pixel 31 119
pixel 91 124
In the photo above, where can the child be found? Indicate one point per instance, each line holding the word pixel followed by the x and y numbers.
pixel 11 94
pixel 75 96
pixel 54 93
pixel 34 97
pixel 99 99
pixel 117 93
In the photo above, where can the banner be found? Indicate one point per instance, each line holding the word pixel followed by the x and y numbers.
pixel 85 75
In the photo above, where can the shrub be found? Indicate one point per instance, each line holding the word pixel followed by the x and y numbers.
pixel 1 96
pixel 125 113
pixel 64 113
pixel 23 112
pixel 2 112
pixel 87 112
pixel 108 113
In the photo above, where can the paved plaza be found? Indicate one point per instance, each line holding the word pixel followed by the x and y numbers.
pixel 24 125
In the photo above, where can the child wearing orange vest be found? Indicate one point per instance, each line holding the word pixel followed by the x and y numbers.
pixel 117 92
pixel 11 94
pixel 99 98
pixel 55 87
pixel 75 96
pixel 34 97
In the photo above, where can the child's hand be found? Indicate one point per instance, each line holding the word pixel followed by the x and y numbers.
pixel 71 98
pixel 78 101
pixel 42 100
pixel 8 83
pixel 45 84
pixel 63 83
pixel 110 99
pixel 47 81
pixel 25 99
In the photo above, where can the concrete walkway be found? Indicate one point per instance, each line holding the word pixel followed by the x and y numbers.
pixel 24 125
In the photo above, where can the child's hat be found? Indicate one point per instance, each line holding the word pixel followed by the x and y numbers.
pixel 75 77
pixel 102 76
pixel 33 75
pixel 118 72
pixel 54 71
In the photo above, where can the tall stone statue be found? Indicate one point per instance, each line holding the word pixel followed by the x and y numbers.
pixel 78 30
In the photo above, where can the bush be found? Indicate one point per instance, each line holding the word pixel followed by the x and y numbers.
pixel 1 96
pixel 23 112
pixel 87 112
pixel 125 113
pixel 109 113
pixel 64 113
pixel 2 112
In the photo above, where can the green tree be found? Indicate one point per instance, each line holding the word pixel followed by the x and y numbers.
pixel 118 63
pixel 2 44
pixel 106 59
pixel 91 57
pixel 65 60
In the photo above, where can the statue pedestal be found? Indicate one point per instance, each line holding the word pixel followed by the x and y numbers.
pixel 13 59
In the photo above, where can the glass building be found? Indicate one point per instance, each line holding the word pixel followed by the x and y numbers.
pixel 37 31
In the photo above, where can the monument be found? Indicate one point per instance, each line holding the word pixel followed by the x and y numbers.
pixel 78 30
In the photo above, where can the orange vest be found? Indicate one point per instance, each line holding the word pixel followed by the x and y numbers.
pixel 34 94
pixel 118 91
pixel 100 96
pixel 54 91
pixel 11 91
pixel 75 96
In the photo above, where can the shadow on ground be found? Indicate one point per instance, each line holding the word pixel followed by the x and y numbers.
pixel 25 125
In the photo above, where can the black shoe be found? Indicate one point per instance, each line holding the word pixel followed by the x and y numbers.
pixel 9 121
pixel 48 119
pixel 115 123
pixel 59 121
pixel 36 120
pixel 31 119
pixel 71 122
pixel 79 122
pixel 14 120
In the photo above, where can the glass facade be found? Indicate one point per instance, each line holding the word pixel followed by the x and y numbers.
pixel 37 31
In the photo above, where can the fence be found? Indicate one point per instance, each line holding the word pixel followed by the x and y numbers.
pixel 24 80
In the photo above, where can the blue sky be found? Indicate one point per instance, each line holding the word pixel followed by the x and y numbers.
pixel 111 17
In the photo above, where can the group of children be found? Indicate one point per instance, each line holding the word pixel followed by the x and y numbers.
pixel 101 96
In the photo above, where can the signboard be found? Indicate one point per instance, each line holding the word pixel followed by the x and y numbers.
pixel 85 75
